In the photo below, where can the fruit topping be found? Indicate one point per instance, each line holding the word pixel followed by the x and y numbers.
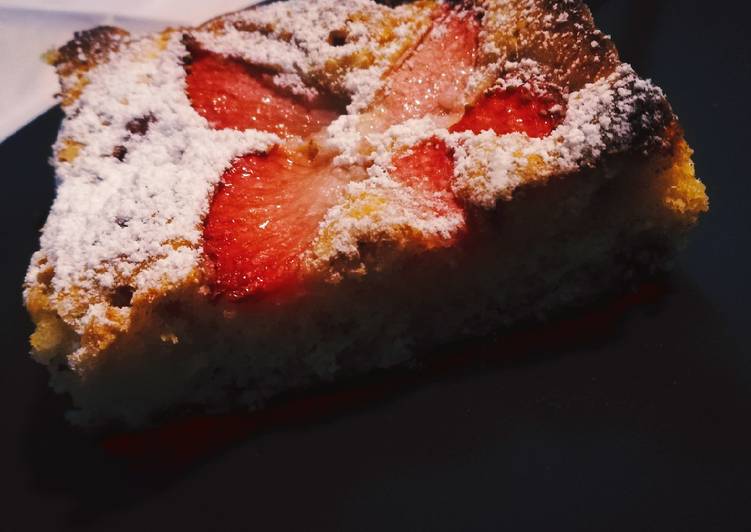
pixel 428 168
pixel 264 215
pixel 511 111
pixel 233 95
pixel 268 208
pixel 433 79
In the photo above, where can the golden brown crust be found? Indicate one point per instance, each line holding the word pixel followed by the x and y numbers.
pixel 560 36
pixel 86 50
pixel 384 45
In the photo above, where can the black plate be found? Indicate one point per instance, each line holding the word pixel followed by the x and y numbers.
pixel 641 424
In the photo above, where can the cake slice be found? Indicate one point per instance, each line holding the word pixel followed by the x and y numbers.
pixel 305 191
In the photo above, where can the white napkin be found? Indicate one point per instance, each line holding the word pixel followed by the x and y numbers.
pixel 28 28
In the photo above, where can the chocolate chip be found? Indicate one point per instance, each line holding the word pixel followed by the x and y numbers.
pixel 338 38
pixel 122 296
pixel 119 152
pixel 140 125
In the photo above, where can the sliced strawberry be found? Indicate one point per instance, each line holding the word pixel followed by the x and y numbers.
pixel 512 110
pixel 264 215
pixel 433 78
pixel 428 168
pixel 267 210
pixel 233 95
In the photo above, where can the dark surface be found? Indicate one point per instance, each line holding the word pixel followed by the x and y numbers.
pixel 643 426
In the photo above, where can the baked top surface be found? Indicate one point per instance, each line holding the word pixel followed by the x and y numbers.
pixel 138 163
pixel 596 386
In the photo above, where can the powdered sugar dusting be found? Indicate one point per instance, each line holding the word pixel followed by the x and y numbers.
pixel 135 222
pixel 381 210
pixel 136 186
pixel 605 116
pixel 326 39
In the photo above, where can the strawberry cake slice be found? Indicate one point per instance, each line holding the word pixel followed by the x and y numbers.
pixel 305 191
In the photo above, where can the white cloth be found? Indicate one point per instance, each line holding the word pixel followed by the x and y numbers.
pixel 28 28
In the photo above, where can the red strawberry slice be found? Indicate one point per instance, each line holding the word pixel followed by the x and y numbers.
pixel 428 169
pixel 434 77
pixel 264 215
pixel 267 210
pixel 233 95
pixel 512 110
